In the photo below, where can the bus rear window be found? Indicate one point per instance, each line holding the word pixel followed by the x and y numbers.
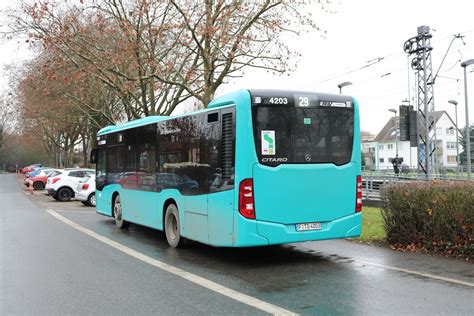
pixel 286 134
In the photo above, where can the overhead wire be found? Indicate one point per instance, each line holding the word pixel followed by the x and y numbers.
pixel 376 61
pixel 367 104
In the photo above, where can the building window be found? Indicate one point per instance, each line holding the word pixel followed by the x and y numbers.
pixel 381 146
pixel 451 159
pixel 450 131
pixel 390 146
pixel 439 131
pixel 381 159
pixel 450 145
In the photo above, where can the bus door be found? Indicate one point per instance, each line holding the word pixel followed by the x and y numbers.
pixel 99 158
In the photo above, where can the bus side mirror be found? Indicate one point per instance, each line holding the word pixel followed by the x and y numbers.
pixel 93 158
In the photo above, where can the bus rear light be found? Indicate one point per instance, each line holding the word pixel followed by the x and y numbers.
pixel 56 180
pixel 358 207
pixel 246 199
pixel 85 186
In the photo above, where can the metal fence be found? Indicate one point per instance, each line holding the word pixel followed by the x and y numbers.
pixel 372 182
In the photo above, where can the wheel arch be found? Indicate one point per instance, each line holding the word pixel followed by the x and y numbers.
pixel 66 187
pixel 114 196
pixel 165 206
pixel 90 195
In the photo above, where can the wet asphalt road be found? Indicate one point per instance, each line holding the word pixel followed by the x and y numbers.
pixel 50 268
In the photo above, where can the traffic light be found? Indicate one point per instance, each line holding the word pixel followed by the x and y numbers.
pixel 408 130
pixel 404 123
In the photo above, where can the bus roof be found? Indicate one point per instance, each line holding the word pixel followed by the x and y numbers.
pixel 283 93
pixel 220 101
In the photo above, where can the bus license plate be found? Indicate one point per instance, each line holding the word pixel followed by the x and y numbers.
pixel 308 226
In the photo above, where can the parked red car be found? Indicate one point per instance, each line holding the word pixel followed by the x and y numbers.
pixel 27 169
pixel 39 181
pixel 30 168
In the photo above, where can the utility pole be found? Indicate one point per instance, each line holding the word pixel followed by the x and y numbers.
pixel 420 46
pixel 396 129
pixel 455 103
pixel 468 126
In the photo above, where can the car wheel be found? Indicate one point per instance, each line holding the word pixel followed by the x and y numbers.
pixel 118 214
pixel 38 185
pixel 172 228
pixel 91 200
pixel 64 194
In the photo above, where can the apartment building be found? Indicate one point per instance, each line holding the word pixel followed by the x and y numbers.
pixel 386 145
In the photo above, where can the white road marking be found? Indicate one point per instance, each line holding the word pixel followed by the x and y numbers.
pixel 71 211
pixel 426 275
pixel 213 286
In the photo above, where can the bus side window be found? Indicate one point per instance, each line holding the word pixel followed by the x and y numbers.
pixel 128 178
pixel 227 150
pixel 146 158
pixel 115 163
pixel 196 154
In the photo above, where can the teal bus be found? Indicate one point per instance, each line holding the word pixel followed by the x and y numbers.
pixel 257 167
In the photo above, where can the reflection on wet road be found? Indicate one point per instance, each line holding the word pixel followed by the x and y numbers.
pixel 314 277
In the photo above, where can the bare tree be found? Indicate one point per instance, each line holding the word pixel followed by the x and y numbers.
pixel 156 54
pixel 229 36
pixel 8 112
pixel 122 46
pixel 48 111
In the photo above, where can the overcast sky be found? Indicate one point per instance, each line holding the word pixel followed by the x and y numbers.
pixel 361 31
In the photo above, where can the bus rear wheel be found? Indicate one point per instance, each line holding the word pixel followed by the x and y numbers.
pixel 118 213
pixel 172 227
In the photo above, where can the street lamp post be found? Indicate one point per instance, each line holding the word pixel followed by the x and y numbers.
pixel 455 103
pixel 396 133
pixel 468 136
pixel 343 84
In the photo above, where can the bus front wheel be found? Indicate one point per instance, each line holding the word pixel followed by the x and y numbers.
pixel 172 228
pixel 118 214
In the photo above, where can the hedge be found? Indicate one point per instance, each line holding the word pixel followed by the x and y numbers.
pixel 436 216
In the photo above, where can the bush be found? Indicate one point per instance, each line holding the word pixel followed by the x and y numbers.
pixel 436 216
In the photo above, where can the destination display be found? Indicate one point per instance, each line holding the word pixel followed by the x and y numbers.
pixel 302 99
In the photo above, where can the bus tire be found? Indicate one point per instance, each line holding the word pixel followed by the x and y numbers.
pixel 117 212
pixel 172 227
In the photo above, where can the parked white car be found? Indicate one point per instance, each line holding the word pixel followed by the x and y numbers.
pixel 61 187
pixel 85 191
